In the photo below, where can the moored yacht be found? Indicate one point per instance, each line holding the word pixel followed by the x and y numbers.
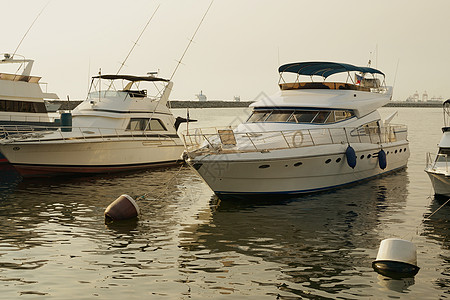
pixel 22 100
pixel 114 129
pixel 437 167
pixel 310 136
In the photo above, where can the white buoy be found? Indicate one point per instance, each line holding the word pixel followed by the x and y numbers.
pixel 396 259
pixel 122 208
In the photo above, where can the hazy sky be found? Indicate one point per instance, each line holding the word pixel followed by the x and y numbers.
pixel 238 48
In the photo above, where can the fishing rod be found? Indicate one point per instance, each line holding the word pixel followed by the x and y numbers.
pixel 191 40
pixel 23 38
pixel 135 43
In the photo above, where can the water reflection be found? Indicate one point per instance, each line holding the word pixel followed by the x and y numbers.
pixel 318 242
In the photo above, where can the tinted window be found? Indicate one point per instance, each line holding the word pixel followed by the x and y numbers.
pixel 279 116
pixel 141 124
pixel 258 116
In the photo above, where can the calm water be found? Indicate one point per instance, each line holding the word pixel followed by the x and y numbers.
pixel 187 244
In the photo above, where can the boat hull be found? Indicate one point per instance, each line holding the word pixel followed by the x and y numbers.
pixel 37 159
pixel 295 171
pixel 440 182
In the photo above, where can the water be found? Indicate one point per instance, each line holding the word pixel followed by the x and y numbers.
pixel 187 244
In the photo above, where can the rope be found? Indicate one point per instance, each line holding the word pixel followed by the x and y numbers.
pixel 166 184
pixel 437 209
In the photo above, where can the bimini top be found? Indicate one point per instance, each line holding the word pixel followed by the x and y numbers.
pixel 130 78
pixel 323 69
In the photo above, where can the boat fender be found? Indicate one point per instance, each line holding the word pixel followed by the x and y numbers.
pixel 382 161
pixel 297 139
pixel 351 156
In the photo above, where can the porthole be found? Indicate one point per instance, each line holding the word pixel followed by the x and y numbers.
pixel 387 153
pixel 369 156
pixel 395 151
pixel 401 150
pixel 362 156
pixel 338 159
pixel 328 161
pixel 404 149
pixel 264 166
pixel 298 164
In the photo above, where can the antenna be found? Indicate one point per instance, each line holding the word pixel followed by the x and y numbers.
pixel 20 43
pixel 135 43
pixel 395 77
pixel 190 41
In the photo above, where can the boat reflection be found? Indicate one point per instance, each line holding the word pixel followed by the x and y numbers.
pixel 322 241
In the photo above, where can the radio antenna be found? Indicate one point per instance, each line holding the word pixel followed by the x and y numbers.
pixel 20 43
pixel 135 43
pixel 190 41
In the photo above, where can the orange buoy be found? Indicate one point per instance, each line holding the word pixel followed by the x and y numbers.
pixel 122 208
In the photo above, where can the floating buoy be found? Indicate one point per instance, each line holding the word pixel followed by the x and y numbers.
pixel 396 259
pixel 382 161
pixel 122 208
pixel 351 156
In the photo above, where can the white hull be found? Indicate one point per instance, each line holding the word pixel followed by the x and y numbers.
pixel 90 157
pixel 440 182
pixel 280 171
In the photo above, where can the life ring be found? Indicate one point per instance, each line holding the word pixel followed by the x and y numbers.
pixel 297 135
pixel 198 136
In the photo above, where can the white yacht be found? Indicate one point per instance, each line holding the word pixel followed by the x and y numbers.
pixel 309 137
pixel 114 129
pixel 22 100
pixel 437 168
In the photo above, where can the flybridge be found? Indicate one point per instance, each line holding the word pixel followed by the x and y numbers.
pixel 326 69
pixel 130 78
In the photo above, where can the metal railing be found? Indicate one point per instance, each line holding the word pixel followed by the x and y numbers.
pixel 440 161
pixel 41 134
pixel 227 140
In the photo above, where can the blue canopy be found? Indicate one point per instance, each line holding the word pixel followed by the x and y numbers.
pixel 324 69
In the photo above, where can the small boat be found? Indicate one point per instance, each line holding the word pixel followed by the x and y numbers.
pixel 309 137
pixel 114 129
pixel 437 167
pixel 22 101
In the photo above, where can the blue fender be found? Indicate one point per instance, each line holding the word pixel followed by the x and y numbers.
pixel 382 160
pixel 351 156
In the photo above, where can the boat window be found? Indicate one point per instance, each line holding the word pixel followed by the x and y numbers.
pixel 304 116
pixel 259 116
pixel 22 106
pixel 279 116
pixel 321 117
pixel 137 124
pixel 300 116
pixel 341 115
pixel 156 125
pixel 443 154
pixel 141 124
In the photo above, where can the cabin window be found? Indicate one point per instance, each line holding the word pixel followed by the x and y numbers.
pixel 321 117
pixel 443 154
pixel 258 116
pixel 142 124
pixel 279 116
pixel 157 125
pixel 22 106
pixel 300 116
pixel 341 115
pixel 304 116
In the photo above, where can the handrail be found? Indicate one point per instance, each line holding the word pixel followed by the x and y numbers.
pixel 41 134
pixel 207 139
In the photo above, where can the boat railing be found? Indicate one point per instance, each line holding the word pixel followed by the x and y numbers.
pixel 229 140
pixel 70 134
pixel 439 161
pixel 29 118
